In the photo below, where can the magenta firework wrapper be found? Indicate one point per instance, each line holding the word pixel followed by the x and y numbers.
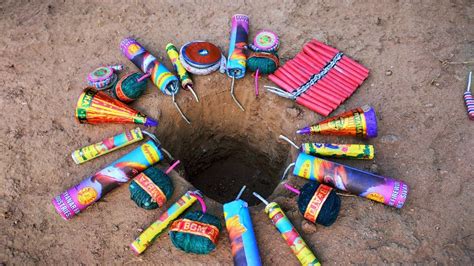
pixel 79 197
pixel 388 191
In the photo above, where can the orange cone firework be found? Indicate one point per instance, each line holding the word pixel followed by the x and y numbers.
pixel 359 122
pixel 96 107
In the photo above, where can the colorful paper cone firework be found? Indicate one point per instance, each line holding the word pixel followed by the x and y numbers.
pixel 331 150
pixel 241 234
pixel 236 61
pixel 107 145
pixel 79 197
pixel 184 78
pixel 289 233
pixel 319 78
pixel 364 184
pixel 159 74
pixel 147 237
pixel 96 107
pixel 360 122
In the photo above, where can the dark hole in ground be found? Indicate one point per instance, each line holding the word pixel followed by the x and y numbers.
pixel 220 169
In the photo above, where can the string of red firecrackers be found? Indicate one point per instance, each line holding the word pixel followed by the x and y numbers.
pixel 319 77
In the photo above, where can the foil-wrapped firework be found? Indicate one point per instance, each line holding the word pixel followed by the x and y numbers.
pixel 236 61
pixel 241 234
pixel 107 145
pixel 160 75
pixel 364 184
pixel 360 122
pixel 96 107
pixel 147 237
pixel 77 198
pixel 350 151
pixel 289 233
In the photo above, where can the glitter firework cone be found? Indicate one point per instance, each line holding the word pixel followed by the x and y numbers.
pixel 95 107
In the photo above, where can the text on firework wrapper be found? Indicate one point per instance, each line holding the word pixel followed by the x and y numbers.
pixel 196 228
pixel 151 188
pixel 316 202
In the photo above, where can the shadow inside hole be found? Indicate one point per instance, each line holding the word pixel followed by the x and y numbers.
pixel 219 170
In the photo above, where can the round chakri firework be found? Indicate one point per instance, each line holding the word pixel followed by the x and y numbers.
pixel 103 77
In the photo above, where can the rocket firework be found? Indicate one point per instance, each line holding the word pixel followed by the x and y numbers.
pixel 360 122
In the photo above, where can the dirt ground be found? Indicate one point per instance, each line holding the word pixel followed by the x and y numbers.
pixel 419 53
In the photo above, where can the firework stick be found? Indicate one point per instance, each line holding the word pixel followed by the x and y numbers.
pixel 147 237
pixel 338 75
pixel 325 92
pixel 382 189
pixel 236 60
pixel 468 99
pixel 343 62
pixel 289 233
pixel 301 100
pixel 352 151
pixel 326 81
pixel 107 145
pixel 79 197
pixel 317 56
pixel 334 50
pixel 184 77
pixel 346 61
pixel 344 88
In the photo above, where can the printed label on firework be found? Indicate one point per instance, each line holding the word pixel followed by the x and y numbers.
pixel 196 228
pixel 156 228
pixel 350 123
pixel 317 202
pixel 151 188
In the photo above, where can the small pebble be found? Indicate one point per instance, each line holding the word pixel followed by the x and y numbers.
pixel 308 227
pixel 374 168
pixel 388 73
pixel 429 105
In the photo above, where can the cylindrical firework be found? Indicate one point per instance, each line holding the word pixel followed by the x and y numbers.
pixel 147 237
pixel 236 61
pixel 378 188
pixel 352 151
pixel 79 197
pixel 289 233
pixel 360 122
pixel 160 75
pixel 242 237
pixel 95 107
pixel 184 77
pixel 107 145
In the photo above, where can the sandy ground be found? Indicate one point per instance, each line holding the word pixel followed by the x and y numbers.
pixel 414 50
